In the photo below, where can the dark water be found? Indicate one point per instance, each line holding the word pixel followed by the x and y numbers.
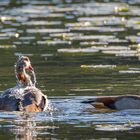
pixel 79 49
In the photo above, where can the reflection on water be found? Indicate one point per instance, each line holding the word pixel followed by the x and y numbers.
pixel 80 49
pixel 69 115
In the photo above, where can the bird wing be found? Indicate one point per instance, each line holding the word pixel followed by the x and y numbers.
pixel 34 99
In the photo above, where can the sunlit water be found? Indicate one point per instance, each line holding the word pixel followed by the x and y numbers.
pixel 68 112
pixel 79 49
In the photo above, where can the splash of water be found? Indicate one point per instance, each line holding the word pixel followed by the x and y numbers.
pixel 51 108
pixel 34 78
pixel 19 91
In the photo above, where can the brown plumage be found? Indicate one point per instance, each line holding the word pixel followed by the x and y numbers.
pixel 116 102
pixel 25 96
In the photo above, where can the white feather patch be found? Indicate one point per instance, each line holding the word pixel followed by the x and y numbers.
pixel 127 103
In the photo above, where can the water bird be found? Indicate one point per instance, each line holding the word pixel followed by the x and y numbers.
pixel 115 102
pixel 24 96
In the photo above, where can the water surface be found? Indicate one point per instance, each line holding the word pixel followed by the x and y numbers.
pixel 79 49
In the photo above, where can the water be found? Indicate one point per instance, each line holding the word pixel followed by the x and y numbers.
pixel 79 49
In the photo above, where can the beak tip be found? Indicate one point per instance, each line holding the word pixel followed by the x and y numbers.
pixel 31 68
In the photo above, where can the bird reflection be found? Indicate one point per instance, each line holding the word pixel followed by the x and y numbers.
pixel 27 128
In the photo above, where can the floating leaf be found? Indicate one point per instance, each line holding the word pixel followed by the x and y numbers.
pixel 137 22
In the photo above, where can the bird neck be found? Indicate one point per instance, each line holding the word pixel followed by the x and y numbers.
pixel 23 79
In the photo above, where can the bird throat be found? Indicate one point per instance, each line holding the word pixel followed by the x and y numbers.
pixel 24 79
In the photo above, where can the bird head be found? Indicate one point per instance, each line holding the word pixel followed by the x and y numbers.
pixel 24 63
pixel 23 70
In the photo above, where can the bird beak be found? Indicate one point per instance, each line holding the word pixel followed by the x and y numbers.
pixel 30 68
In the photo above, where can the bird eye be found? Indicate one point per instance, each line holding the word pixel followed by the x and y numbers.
pixel 26 59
